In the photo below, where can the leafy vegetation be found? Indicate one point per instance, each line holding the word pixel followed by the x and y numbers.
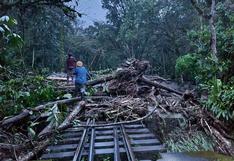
pixel 221 99
pixel 197 142
pixel 9 41
pixel 27 92
pixel 178 38
pixel 216 77
pixel 187 66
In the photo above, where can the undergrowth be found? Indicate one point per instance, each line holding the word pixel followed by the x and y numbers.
pixel 196 141
pixel 221 99
pixel 24 92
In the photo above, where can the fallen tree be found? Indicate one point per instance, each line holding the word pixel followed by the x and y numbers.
pixel 38 148
pixel 134 96
pixel 158 85
pixel 45 136
pixel 8 122
pixel 50 128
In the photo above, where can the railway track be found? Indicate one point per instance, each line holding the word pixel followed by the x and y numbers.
pixel 124 142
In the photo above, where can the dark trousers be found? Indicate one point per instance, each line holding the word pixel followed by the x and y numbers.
pixel 80 90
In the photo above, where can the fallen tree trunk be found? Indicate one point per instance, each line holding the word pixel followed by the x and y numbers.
pixel 8 122
pixel 26 113
pixel 30 155
pixel 101 80
pixel 10 146
pixel 225 143
pixel 93 82
pixel 48 130
pixel 65 101
pixel 57 78
pixel 157 85
pixel 16 118
pixel 72 116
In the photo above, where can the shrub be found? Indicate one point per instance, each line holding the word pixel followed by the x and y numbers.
pixel 221 99
pixel 25 92
pixel 187 66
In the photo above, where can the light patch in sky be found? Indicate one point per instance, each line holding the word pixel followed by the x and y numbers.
pixel 91 11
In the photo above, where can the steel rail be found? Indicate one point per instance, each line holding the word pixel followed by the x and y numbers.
pixel 92 142
pixel 127 145
pixel 116 143
pixel 80 147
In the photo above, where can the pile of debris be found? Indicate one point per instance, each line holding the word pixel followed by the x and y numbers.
pixel 119 108
pixel 131 96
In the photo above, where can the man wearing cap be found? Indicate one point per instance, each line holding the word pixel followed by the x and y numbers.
pixel 81 77
pixel 71 64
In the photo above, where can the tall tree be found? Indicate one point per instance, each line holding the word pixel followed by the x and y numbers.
pixel 211 18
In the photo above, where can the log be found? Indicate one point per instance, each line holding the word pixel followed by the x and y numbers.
pixel 57 78
pixel 225 143
pixel 8 122
pixel 26 113
pixel 48 130
pixel 72 116
pixel 64 101
pixel 91 83
pixel 10 146
pixel 157 85
pixel 156 77
pixel 30 155
pixel 101 80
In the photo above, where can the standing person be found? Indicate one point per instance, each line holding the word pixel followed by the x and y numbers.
pixel 71 64
pixel 81 77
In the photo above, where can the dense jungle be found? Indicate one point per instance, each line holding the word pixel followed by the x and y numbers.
pixel 167 64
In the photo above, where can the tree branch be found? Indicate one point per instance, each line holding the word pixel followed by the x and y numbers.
pixel 199 10
pixel 5 6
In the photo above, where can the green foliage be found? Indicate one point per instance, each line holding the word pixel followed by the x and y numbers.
pixel 19 93
pixel 9 41
pixel 8 37
pixel 215 77
pixel 196 142
pixel 90 91
pixel 54 116
pixel 221 99
pixel 31 131
pixel 187 65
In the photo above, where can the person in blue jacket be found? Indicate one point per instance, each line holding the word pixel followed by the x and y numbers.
pixel 81 78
